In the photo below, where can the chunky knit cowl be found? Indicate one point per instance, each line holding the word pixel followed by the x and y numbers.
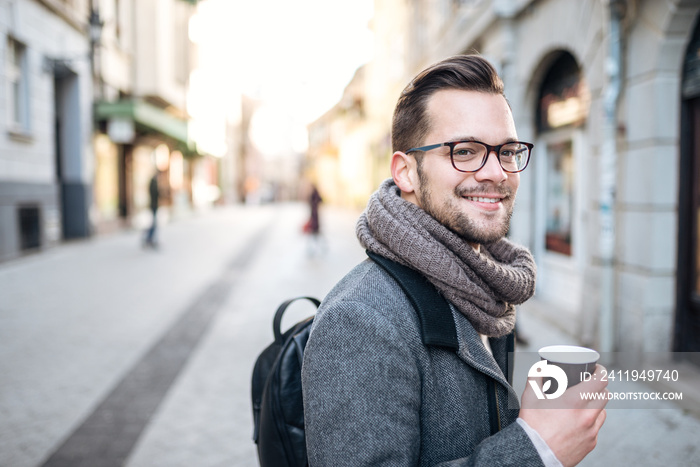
pixel 485 286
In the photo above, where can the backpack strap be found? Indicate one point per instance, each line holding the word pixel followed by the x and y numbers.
pixel 436 321
pixel 277 321
pixel 437 324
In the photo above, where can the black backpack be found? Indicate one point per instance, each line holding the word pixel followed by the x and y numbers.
pixel 278 409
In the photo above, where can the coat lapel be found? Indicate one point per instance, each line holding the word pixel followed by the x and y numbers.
pixel 473 353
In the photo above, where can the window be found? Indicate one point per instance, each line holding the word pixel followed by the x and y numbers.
pixel 17 86
pixel 560 198
pixel 29 229
pixel 564 102
pixel 564 97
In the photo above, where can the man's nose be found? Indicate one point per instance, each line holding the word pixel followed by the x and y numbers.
pixel 492 169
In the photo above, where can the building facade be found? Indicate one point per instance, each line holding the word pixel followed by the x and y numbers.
pixel 96 98
pixel 143 126
pixel 339 161
pixel 46 159
pixel 607 91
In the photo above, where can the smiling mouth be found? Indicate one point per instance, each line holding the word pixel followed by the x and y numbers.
pixel 482 200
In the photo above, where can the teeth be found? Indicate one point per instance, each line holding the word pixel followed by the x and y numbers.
pixel 483 200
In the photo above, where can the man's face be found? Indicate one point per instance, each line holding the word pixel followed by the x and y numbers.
pixel 477 206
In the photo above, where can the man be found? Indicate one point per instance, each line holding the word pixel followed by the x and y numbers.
pixel 373 393
pixel 153 197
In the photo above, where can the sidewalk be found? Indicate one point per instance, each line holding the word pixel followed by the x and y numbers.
pixel 77 322
pixel 81 324
pixel 209 412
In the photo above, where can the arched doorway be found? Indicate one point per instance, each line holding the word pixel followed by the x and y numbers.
pixel 559 241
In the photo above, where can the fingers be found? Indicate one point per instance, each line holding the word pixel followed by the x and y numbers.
pixel 601 372
pixel 582 398
pixel 600 420
pixel 590 394
pixel 595 428
pixel 597 383
pixel 599 380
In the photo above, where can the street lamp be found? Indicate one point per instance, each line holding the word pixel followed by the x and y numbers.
pixel 95 25
pixel 95 28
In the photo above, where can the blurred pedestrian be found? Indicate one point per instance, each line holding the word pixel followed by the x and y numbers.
pixel 314 201
pixel 153 195
pixel 313 225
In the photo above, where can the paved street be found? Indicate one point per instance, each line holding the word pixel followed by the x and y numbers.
pixel 114 355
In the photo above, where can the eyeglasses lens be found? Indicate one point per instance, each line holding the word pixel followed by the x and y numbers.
pixel 469 156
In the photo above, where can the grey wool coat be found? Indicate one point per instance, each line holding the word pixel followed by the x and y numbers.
pixel 375 395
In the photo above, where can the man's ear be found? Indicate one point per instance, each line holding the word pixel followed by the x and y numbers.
pixel 404 172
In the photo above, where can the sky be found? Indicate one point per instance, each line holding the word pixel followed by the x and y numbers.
pixel 295 57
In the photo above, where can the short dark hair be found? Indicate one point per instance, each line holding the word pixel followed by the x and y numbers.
pixel 463 72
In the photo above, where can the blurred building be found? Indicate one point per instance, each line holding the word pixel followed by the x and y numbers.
pixel 96 94
pixel 250 183
pixel 271 152
pixel 142 85
pixel 340 160
pixel 46 160
pixel 607 90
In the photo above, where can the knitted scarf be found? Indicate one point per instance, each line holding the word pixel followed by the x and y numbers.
pixel 485 286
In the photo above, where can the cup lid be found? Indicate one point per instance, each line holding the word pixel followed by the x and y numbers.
pixel 569 354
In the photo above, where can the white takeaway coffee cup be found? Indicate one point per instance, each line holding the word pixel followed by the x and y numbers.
pixel 577 362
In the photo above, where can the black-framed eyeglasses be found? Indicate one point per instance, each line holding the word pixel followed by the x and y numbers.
pixel 471 156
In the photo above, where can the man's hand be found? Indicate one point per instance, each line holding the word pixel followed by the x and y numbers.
pixel 569 424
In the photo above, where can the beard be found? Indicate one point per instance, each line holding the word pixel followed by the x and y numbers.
pixel 449 213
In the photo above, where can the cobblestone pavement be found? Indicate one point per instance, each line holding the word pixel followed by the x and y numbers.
pixel 115 355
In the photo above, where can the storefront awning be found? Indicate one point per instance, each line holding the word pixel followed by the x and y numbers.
pixel 145 115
